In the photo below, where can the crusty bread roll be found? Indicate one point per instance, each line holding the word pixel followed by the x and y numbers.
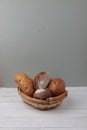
pixel 56 86
pixel 42 94
pixel 41 80
pixel 25 83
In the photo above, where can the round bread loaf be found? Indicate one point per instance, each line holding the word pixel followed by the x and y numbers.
pixel 41 80
pixel 56 86
pixel 25 83
pixel 42 94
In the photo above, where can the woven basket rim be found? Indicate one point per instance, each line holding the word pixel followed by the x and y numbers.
pixel 50 100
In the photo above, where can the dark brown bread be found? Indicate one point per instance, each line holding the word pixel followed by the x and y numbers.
pixel 41 80
pixel 42 94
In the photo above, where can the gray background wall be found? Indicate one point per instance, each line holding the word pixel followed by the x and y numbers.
pixel 43 35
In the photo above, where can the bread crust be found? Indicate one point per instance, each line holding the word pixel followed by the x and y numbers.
pixel 56 86
pixel 25 83
pixel 41 80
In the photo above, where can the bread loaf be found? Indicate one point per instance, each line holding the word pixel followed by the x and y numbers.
pixel 25 83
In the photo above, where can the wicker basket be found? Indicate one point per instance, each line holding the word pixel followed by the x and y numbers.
pixel 51 102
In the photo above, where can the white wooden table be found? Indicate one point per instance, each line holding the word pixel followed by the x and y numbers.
pixel 70 115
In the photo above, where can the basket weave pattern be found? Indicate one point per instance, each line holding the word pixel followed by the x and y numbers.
pixel 51 102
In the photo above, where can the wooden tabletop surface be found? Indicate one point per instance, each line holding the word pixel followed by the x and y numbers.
pixel 71 114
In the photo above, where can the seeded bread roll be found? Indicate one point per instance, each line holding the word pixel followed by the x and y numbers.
pixel 41 80
pixel 25 83
pixel 56 86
